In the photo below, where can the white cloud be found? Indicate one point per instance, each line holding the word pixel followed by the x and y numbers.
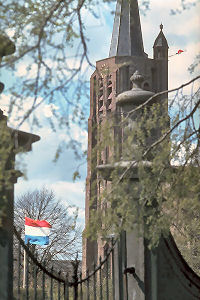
pixel 81 213
pixel 70 193
pixel 181 155
pixel 179 64
pixel 192 26
pixel 4 101
pixel 76 132
pixel 18 110
pixel 22 70
pixel 48 108
pixel 28 69
pixel 10 32
pixel 72 210
pixel 43 112
pixel 60 71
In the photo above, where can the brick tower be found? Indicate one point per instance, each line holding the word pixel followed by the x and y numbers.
pixel 112 77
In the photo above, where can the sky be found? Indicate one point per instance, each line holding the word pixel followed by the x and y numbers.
pixel 181 31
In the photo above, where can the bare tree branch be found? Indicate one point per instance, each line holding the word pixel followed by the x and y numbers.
pixel 65 234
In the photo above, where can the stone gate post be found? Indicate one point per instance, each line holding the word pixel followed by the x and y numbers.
pixel 140 273
pixel 130 252
pixel 10 142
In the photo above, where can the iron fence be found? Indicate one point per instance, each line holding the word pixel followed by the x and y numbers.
pixel 34 281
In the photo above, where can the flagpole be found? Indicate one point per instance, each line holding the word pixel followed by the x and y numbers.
pixel 24 273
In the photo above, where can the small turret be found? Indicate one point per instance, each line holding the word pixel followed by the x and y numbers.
pixel 160 46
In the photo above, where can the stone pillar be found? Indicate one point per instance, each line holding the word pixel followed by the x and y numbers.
pixel 131 247
pixel 135 246
pixel 6 196
pixel 140 273
pixel 10 141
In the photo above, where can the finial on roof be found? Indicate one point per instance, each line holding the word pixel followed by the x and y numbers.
pixel 161 41
pixel 127 33
pixel 137 79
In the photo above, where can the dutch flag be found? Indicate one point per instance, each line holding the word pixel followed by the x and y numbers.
pixel 37 232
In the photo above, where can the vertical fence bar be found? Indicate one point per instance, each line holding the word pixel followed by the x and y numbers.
pixel 19 271
pixel 94 283
pixel 100 281
pixel 66 288
pixel 78 287
pixel 76 291
pixel 51 285
pixel 81 287
pixel 113 270
pixel 63 295
pixel 107 277
pixel 120 272
pixel 27 277
pixel 43 285
pixel 88 285
pixel 59 286
pixel 75 278
pixel 124 255
pixel 35 281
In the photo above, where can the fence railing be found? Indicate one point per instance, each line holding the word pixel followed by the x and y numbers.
pixel 34 281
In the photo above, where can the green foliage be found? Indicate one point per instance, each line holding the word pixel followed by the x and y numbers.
pixel 152 178
pixel 76 175
pixel 6 166
pixel 47 64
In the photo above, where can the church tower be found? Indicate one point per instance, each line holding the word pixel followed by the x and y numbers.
pixel 112 77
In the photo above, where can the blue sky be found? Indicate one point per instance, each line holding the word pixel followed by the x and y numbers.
pixel 181 31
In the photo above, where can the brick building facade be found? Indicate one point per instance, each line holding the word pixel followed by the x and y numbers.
pixel 112 77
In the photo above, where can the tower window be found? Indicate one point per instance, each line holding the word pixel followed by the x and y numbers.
pixel 100 103
pixel 108 103
pixel 94 95
pixel 109 91
pixel 100 112
pixel 100 87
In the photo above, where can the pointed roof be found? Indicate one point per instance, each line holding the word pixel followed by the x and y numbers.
pixel 161 40
pixel 127 34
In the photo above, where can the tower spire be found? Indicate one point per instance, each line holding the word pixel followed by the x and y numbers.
pixel 160 45
pixel 127 34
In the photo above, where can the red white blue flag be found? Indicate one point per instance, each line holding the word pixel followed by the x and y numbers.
pixel 37 232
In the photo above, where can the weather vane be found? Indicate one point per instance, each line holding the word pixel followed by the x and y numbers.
pixel 178 52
